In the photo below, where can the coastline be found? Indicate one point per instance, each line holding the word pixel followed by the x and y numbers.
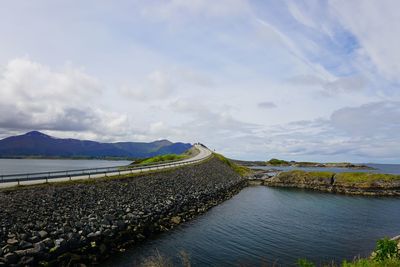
pixel 80 222
pixel 366 185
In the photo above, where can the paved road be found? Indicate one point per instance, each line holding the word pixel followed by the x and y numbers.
pixel 203 154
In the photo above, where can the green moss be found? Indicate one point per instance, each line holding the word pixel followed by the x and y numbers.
pixel 243 171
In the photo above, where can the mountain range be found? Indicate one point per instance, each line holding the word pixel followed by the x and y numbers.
pixel 37 144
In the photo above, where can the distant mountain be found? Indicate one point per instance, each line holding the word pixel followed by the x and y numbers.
pixel 37 144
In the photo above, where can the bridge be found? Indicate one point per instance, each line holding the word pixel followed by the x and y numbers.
pixel 93 173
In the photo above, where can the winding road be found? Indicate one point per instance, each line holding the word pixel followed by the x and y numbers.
pixel 40 178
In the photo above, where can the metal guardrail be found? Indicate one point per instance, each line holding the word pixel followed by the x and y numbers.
pixel 90 173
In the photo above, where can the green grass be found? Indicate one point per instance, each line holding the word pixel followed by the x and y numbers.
pixel 345 178
pixel 372 263
pixel 163 158
pixel 191 152
pixel 243 171
pixel 367 178
pixel 307 175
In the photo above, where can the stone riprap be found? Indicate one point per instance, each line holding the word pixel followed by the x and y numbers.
pixel 86 222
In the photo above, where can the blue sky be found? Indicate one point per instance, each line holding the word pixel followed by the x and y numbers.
pixel 301 80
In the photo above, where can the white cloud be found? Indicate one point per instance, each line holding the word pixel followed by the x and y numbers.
pixel 331 87
pixel 376 25
pixel 266 105
pixel 158 85
pixel 182 9
pixel 299 15
pixel 33 96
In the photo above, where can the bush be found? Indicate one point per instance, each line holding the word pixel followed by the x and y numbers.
pixel 386 249
pixel 305 263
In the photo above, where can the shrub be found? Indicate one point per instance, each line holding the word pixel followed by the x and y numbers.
pixel 305 263
pixel 386 249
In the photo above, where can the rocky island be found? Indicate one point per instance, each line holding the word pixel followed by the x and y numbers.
pixel 371 184
pixel 303 164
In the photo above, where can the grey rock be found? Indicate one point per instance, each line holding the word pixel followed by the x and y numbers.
pixel 37 249
pixel 48 242
pixel 61 242
pixel 34 239
pixel 43 234
pixel 11 258
pixel 27 260
pixel 12 242
pixel 25 245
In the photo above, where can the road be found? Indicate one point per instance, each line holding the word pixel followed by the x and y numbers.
pixel 203 154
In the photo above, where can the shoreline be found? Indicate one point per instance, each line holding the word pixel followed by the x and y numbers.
pixel 43 226
pixel 331 182
pixel 86 223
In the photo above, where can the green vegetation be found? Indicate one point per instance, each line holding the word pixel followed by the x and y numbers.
pixel 360 179
pixel 386 249
pixel 163 158
pixel 169 157
pixel 277 162
pixel 386 254
pixel 298 175
pixel 366 178
pixel 243 171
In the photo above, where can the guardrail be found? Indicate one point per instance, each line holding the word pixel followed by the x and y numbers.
pixel 92 172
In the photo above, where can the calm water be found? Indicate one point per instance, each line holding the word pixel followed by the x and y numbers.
pixel 379 168
pixel 12 166
pixel 263 224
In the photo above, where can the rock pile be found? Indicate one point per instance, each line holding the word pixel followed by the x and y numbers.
pixel 86 222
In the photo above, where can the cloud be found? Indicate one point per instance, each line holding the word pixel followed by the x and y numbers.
pixel 376 27
pixel 376 119
pixel 33 96
pixel 266 105
pixel 181 9
pixel 210 118
pixel 362 133
pixel 338 85
pixel 157 85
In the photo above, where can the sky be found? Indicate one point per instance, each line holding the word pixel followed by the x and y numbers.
pixel 299 80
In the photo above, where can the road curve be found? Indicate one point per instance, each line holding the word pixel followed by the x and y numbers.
pixel 203 154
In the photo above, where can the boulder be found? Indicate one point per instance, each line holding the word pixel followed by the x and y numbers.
pixel 11 258
pixel 25 245
pixel 176 220
pixel 43 234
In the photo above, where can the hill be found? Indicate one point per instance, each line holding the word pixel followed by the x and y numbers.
pixel 37 144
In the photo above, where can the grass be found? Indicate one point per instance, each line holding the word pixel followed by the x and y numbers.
pixel 360 178
pixel 241 170
pixel 307 175
pixel 168 157
pixel 368 178
pixel 162 158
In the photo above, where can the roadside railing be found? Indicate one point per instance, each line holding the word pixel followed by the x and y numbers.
pixel 93 172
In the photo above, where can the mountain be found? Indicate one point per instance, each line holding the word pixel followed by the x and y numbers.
pixel 37 144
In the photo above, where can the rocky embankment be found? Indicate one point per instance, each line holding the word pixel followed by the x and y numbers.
pixel 345 183
pixel 63 225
